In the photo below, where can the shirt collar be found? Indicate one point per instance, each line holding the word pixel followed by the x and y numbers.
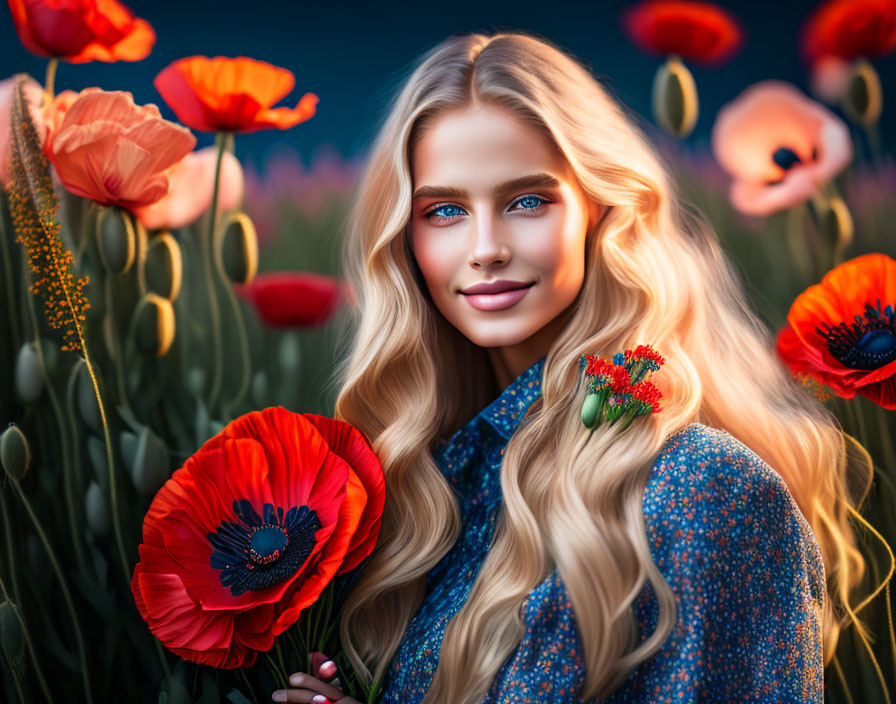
pixel 503 415
pixel 506 412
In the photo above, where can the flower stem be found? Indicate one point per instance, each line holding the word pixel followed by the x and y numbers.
pixel 50 79
pixel 62 584
pixel 246 376
pixel 279 675
pixel 208 252
pixel 63 434
pixel 249 689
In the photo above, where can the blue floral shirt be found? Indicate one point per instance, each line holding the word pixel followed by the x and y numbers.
pixel 724 532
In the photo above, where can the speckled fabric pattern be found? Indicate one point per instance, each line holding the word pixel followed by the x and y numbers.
pixel 724 532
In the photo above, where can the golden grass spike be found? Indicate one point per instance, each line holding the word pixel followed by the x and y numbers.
pixel 33 205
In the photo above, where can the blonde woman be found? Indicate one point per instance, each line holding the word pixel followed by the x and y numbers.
pixel 511 219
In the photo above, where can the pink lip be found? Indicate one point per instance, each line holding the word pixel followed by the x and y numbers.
pixel 496 286
pixel 496 301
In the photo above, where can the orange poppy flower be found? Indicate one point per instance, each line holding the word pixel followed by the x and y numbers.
pixel 842 332
pixel 232 95
pixel 700 31
pixel 850 29
pixel 82 30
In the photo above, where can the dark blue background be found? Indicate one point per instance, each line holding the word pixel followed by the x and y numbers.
pixel 355 55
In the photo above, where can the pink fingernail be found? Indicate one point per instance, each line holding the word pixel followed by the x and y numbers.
pixel 327 668
pixel 319 699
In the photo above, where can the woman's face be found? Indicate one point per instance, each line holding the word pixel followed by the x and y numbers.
pixel 495 201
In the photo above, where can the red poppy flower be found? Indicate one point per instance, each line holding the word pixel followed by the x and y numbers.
pixel 288 299
pixel 82 30
pixel 700 31
pixel 251 530
pixel 850 29
pixel 233 95
pixel 842 332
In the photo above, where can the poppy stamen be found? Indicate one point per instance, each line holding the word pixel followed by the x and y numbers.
pixel 255 552
pixel 868 343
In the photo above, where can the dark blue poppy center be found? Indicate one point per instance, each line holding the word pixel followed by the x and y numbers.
pixel 868 343
pixel 786 158
pixel 255 552
pixel 267 544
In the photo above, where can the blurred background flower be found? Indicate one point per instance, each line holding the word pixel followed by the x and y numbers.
pixel 192 185
pixel 82 30
pixel 778 146
pixel 231 95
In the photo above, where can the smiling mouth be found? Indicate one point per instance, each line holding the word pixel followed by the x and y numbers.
pixel 498 301
pixel 498 293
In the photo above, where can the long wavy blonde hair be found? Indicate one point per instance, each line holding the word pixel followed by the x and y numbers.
pixel 655 274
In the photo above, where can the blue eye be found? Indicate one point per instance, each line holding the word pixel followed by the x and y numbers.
pixel 535 202
pixel 453 211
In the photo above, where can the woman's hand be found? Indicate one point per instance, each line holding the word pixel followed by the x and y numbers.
pixel 313 688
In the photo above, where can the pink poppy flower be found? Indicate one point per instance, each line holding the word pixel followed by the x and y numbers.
pixel 779 146
pixel 192 186
pixel 34 95
pixel 113 151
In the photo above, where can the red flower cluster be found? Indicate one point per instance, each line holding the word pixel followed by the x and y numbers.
pixel 617 389
pixel 251 530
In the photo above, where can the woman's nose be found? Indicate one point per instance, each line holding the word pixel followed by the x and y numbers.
pixel 488 245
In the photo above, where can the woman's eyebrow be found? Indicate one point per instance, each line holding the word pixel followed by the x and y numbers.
pixel 540 180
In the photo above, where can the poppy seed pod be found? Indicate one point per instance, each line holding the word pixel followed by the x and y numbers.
pixel 239 249
pixel 863 99
pixel 86 397
pixel 97 510
pixel 164 266
pixel 12 641
pixel 151 463
pixel 29 377
pixel 115 240
pixel 836 224
pixel 675 105
pixel 153 325
pixel 15 455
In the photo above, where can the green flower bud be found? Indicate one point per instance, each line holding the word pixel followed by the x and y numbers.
pixel 239 249
pixel 196 381
pixel 15 455
pixel 675 105
pixel 97 510
pixel 590 409
pixel 151 463
pixel 28 374
pixel 260 388
pixel 115 240
pixel 153 325
pixel 164 266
